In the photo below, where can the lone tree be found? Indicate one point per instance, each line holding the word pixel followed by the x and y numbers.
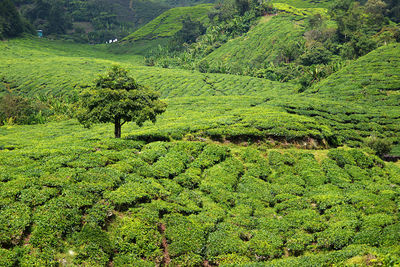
pixel 116 97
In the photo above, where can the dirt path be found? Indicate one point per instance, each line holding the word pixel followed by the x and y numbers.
pixel 166 258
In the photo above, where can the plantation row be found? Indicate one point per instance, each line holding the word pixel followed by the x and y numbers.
pixel 224 107
pixel 100 201
pixel 168 23
pixel 373 78
pixel 31 70
pixel 350 123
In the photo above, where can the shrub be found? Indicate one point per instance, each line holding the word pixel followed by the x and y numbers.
pixel 98 213
pixel 265 245
pixel 22 110
pixel 92 245
pixel 310 171
pixel 136 235
pixel 225 240
pixel 337 235
pixel 13 221
pixel 255 188
pixel 153 151
pixel 185 235
pixel 190 178
pixel 52 222
pixel 35 196
pixel 297 242
pixel 8 258
pixel 211 155
pixel 342 157
pixel 316 54
pixel 380 146
pixel 133 193
pixel 170 165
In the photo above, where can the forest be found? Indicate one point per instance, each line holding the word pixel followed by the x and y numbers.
pixel 210 133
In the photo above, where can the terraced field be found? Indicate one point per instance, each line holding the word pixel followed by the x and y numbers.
pixel 373 78
pixel 38 67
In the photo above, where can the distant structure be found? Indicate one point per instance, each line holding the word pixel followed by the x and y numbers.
pixel 40 33
pixel 112 41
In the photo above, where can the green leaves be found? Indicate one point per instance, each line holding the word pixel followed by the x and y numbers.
pixel 117 98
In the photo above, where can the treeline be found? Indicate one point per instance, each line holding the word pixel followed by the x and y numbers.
pixel 84 21
pixel 322 49
pixel 93 21
pixel 11 23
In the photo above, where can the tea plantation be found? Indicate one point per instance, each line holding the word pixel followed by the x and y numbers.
pixel 219 106
pixel 78 197
pixel 238 171
pixel 168 23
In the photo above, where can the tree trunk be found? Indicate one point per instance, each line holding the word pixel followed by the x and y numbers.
pixel 117 127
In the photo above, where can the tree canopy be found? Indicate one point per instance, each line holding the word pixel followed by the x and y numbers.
pixel 116 97
pixel 10 20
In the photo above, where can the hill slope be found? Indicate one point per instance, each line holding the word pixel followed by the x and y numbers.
pixel 72 195
pixel 261 45
pixel 374 78
pixel 306 3
pixel 38 67
pixel 168 23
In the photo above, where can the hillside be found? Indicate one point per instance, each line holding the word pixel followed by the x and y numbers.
pixel 43 73
pixel 296 164
pixel 373 78
pixel 260 46
pixel 306 3
pixel 185 203
pixel 33 66
pixel 224 119
pixel 168 23
pixel 93 21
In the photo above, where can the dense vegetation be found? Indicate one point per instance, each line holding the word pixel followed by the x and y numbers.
pixel 11 22
pixel 311 42
pixel 117 98
pixel 167 24
pixel 94 200
pixel 94 21
pixel 274 149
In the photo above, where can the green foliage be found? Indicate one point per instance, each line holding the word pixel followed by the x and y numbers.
pixel 226 205
pixel 380 146
pixel 14 220
pixel 117 98
pixel 11 24
pixel 169 23
pixel 188 34
pixel 263 44
pixel 74 196
pixel 93 246
pixel 20 110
